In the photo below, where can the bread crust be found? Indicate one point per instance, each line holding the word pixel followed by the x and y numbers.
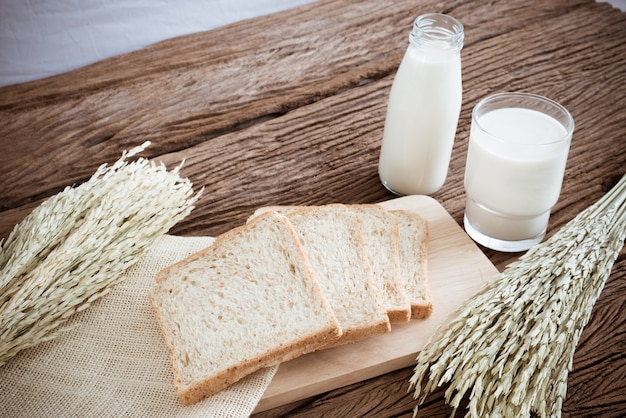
pixel 199 390
pixel 195 391
pixel 379 319
pixel 421 305
pixel 397 305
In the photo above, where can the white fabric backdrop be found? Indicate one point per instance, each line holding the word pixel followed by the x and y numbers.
pixel 40 38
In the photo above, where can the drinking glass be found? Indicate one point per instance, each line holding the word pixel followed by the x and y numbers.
pixel 518 148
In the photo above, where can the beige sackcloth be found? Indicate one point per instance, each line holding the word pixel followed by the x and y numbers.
pixel 115 362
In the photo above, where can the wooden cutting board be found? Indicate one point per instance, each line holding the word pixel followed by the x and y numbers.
pixel 456 269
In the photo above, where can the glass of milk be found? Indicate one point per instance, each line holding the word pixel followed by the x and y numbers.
pixel 516 159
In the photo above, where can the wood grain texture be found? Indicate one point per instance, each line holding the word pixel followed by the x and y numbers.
pixel 289 109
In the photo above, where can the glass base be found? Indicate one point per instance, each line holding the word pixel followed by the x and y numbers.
pixel 503 232
pixel 499 244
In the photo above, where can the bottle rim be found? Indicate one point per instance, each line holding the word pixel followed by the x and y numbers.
pixel 438 31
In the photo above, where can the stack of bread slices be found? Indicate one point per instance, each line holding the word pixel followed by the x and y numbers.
pixel 292 280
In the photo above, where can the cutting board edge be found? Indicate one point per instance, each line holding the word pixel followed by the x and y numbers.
pixel 273 401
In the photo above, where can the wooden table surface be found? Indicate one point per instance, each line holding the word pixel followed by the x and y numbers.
pixel 289 109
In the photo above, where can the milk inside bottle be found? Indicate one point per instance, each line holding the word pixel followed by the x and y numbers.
pixel 423 108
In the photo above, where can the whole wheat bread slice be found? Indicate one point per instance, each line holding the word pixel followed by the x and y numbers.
pixel 413 248
pixel 330 237
pixel 248 301
pixel 379 229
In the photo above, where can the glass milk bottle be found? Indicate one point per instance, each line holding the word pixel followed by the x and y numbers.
pixel 423 109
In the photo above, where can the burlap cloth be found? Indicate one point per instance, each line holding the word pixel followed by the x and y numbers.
pixel 115 362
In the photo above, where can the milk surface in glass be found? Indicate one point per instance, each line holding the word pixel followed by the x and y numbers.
pixel 515 164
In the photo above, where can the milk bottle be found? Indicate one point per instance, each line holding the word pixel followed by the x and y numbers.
pixel 423 109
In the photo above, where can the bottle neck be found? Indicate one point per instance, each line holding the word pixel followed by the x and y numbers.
pixel 438 32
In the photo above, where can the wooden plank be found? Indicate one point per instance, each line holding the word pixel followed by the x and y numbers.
pixel 451 283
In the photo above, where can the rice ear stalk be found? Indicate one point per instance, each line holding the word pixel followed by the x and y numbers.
pixel 510 347
pixel 73 247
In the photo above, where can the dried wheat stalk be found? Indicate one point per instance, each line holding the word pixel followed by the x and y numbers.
pixel 510 347
pixel 72 248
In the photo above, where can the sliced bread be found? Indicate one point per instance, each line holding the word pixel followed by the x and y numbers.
pixel 248 301
pixel 379 229
pixel 330 237
pixel 413 248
